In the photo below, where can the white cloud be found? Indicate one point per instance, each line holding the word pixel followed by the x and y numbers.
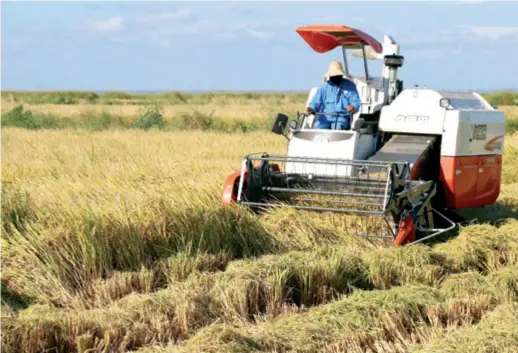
pixel 176 15
pixel 197 27
pixel 259 34
pixel 225 37
pixel 112 24
pixel 494 32
pixel 457 3
pixel 179 14
pixel 229 6
pixel 161 42
pixel 468 2
pixel 12 45
pixel 424 53
pixel 117 39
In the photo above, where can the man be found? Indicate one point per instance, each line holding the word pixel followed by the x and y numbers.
pixel 336 95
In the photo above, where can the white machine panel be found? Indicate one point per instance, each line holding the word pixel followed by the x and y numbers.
pixel 331 144
pixel 414 111
pixel 467 124
pixel 468 132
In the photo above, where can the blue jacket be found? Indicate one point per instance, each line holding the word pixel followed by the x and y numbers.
pixel 330 98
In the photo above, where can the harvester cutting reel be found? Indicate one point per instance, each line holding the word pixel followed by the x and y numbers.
pixel 378 197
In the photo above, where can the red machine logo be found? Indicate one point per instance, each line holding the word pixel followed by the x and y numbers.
pixel 494 144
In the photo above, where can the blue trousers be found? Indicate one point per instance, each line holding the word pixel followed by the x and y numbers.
pixel 324 123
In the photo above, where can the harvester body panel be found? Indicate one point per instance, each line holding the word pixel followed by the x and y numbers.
pixel 471 157
pixel 414 111
pixel 472 136
pixel 329 144
pixel 473 133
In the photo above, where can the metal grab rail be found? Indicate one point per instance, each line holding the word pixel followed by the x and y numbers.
pixel 337 114
pixel 436 231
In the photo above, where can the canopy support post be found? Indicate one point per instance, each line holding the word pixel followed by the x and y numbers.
pixel 365 62
pixel 346 67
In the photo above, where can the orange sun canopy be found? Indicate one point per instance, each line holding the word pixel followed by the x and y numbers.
pixel 323 38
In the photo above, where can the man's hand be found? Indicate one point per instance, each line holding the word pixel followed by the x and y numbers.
pixel 350 109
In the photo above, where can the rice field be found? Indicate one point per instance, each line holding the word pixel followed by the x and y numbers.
pixel 116 241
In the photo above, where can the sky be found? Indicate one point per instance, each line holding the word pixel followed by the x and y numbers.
pixel 252 45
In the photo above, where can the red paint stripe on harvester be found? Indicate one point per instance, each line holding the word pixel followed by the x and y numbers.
pixel 496 143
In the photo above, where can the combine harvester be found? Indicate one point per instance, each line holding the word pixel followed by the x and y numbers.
pixel 411 157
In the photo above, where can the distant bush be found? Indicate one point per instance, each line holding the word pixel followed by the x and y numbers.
pixel 237 125
pixel 197 120
pixel 92 97
pixel 118 95
pixel 53 97
pixel 139 102
pixel 503 98
pixel 174 97
pixel 171 97
pixel 150 117
pixel 63 98
pixel 179 96
pixel 511 126
pixel 104 121
pixel 17 117
pixel 111 102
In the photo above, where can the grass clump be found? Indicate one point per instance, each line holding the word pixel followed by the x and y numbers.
pixel 196 121
pixel 415 264
pixel 350 319
pixel 496 332
pixel 502 98
pixel 18 117
pixel 117 95
pixel 511 125
pixel 466 284
pixel 64 98
pixel 505 283
pixel 150 117
pixel 364 321
pixel 179 267
pixel 481 248
pixel 184 307
pixel 39 259
pixel 500 286
pixel 16 210
pixel 274 283
pixel 51 97
pixel 104 121
pixel 127 325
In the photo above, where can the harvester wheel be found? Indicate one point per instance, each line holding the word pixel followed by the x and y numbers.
pixel 231 186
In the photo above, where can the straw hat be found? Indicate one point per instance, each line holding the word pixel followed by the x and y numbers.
pixel 335 69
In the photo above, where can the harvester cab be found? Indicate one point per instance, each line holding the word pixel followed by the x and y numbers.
pixel 410 155
pixel 362 140
pixel 375 92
